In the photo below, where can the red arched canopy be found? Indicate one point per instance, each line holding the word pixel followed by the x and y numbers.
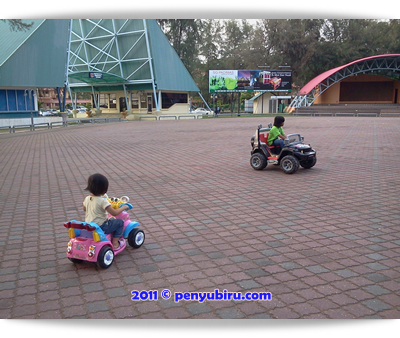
pixel 318 79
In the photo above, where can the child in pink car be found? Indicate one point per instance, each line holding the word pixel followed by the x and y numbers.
pixel 97 208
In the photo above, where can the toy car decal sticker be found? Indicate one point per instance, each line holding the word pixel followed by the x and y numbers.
pixel 80 246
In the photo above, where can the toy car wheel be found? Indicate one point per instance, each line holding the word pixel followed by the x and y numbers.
pixel 309 164
pixel 258 161
pixel 105 257
pixel 136 238
pixel 289 164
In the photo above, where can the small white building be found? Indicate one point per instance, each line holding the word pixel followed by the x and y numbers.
pixel 269 103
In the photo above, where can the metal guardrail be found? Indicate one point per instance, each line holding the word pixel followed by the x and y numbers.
pixel 167 117
pixel 119 119
pixel 42 124
pixel 74 121
pixel 323 114
pixel 232 114
pixel 296 113
pixel 185 116
pixel 96 120
pixel 175 117
pixel 50 125
pixel 345 114
pixel 7 127
pixel 22 126
pixel 147 117
pixel 383 114
pixel 353 114
pixel 31 126
pixel 64 124
pixel 368 114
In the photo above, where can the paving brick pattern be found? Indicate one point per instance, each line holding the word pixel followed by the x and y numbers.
pixel 325 242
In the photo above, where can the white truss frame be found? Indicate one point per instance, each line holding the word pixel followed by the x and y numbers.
pixel 109 61
pixel 387 66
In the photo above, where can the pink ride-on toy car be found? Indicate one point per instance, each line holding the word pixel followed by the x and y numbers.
pixel 89 243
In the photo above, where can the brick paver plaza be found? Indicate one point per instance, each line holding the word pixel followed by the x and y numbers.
pixel 325 242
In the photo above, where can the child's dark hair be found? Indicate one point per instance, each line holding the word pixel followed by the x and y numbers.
pixel 278 121
pixel 97 184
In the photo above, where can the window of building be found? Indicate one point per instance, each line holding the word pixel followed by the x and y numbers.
pixel 16 100
pixel 135 100
pixel 11 98
pixel 113 101
pixel 3 100
pixel 143 101
pixel 103 101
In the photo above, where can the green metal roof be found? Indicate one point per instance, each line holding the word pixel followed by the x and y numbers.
pixel 12 40
pixel 36 57
pixel 170 72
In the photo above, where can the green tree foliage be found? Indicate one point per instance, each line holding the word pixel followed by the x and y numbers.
pixel 393 36
pixel 210 41
pixel 308 46
pixel 236 45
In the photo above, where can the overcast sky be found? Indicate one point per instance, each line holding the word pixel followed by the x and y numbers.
pixel 207 9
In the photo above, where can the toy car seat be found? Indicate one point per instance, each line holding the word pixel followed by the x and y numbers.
pixel 85 230
pixel 264 139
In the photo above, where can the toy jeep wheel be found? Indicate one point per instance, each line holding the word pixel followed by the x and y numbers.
pixel 289 164
pixel 105 257
pixel 309 164
pixel 258 161
pixel 136 238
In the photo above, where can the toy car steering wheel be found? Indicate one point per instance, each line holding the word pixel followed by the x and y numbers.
pixel 128 204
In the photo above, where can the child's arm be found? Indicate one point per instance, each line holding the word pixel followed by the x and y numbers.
pixel 282 135
pixel 115 212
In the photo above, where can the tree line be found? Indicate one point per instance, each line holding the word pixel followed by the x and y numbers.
pixel 308 46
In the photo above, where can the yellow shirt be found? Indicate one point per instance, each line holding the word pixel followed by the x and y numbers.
pixel 96 209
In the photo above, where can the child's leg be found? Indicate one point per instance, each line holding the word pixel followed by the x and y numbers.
pixel 279 143
pixel 114 227
pixel 115 242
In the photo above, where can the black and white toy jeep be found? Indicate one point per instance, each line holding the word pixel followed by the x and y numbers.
pixel 294 154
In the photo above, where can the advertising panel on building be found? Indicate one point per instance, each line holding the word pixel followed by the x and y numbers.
pixel 233 81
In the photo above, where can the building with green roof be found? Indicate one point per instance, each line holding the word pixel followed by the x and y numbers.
pixel 30 59
pixel 128 65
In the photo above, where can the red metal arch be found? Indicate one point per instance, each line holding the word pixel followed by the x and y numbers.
pixel 318 79
pixel 307 95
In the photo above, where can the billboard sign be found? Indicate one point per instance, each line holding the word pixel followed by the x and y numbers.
pixel 234 81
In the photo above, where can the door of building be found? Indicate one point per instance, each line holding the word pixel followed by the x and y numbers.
pixel 149 103
pixel 122 104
